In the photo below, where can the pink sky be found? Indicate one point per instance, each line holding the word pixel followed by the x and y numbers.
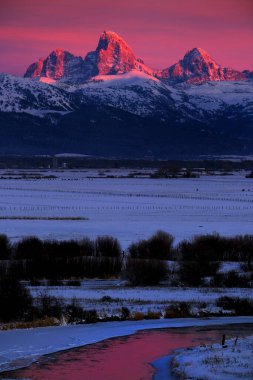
pixel 159 31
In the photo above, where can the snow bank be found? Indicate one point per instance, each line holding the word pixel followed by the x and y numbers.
pixel 214 362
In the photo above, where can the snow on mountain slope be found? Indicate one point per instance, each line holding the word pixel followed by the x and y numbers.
pixel 31 96
pixel 214 98
pixel 135 92
pixel 144 95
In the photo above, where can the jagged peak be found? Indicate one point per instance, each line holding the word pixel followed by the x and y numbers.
pixel 59 51
pixel 198 53
pixel 109 34
pixel 110 37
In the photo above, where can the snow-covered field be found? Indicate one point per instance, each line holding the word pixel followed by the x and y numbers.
pixel 109 301
pixel 214 362
pixel 18 348
pixel 126 208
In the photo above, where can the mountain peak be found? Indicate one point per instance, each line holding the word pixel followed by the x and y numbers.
pixel 199 54
pixel 113 55
pixel 197 51
pixel 59 63
pixel 109 34
pixel 197 66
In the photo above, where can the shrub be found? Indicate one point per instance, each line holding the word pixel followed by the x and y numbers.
pixel 5 248
pixel 249 175
pixel 15 300
pixel 106 299
pixel 138 316
pixel 73 283
pixel 29 248
pixel 241 306
pixel 203 248
pixel 68 249
pixel 158 246
pixel 231 279
pixel 87 247
pixel 107 246
pixel 153 315
pixel 55 282
pixel 145 272
pixel 192 272
pixel 75 312
pixel 48 306
pixel 125 313
pixel 181 310
pixel 91 316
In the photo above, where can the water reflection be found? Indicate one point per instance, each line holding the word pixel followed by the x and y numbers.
pixel 123 358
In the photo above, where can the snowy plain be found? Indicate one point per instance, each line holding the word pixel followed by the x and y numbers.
pixel 214 362
pixel 110 300
pixel 126 208
pixel 19 348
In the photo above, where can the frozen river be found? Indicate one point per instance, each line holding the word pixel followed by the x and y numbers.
pixel 126 208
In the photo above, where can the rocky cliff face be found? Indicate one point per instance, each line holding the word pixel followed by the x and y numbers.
pixel 197 67
pixel 35 69
pixel 59 64
pixel 114 56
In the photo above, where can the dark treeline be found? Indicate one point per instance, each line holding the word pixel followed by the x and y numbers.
pixel 38 162
pixel 32 258
pixel 144 263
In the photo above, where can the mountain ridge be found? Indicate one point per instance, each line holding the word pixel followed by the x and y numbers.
pixel 110 103
pixel 114 56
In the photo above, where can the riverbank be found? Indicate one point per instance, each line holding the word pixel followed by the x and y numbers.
pixel 230 361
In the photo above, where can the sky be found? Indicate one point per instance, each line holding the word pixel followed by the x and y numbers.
pixel 159 31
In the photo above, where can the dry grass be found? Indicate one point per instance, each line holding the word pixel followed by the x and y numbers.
pixel 42 218
pixel 45 322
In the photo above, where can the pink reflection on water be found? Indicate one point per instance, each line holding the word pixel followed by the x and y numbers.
pixel 124 358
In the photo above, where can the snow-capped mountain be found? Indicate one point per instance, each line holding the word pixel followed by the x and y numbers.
pixel 197 67
pixel 59 64
pixel 30 96
pixel 111 95
pixel 112 56
pixel 215 99
pixel 134 91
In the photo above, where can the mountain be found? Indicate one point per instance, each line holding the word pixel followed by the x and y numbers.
pixel 59 64
pixel 112 56
pixel 134 92
pixel 33 97
pixel 110 103
pixel 197 67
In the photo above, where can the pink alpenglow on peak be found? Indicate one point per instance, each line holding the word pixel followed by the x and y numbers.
pixel 58 64
pixel 113 56
pixel 35 69
pixel 198 66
